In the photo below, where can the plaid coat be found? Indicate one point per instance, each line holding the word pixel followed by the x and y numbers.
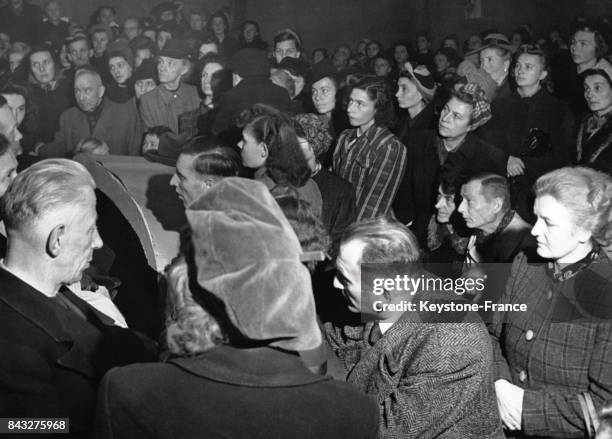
pixel 432 380
pixel 560 347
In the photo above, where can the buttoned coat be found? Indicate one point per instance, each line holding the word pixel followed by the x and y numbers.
pixel 432 378
pixel 561 346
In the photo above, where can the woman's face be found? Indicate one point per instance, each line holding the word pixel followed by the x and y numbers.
pixel 372 50
pixel 253 153
pixel 598 94
pixel 15 60
pixel 474 42
pixel 445 206
pixel 516 40
pixel 120 69
pixel 583 47
pixel 455 119
pixel 441 62
pixel 408 94
pixel 317 57
pixel 218 26
pixel 450 43
pixel 495 65
pixel 162 38
pixel 361 109
pixel 529 70
pixel 558 237
pixel 196 22
pixel 324 95
pixel 381 67
pixel 400 54
pixel 249 32
pixel 207 73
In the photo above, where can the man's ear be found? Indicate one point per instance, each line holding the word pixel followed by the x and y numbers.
pixel 543 75
pixel 497 205
pixel 102 90
pixel 91 53
pixel 55 240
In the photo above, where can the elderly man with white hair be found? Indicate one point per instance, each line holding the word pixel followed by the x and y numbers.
pixel 55 347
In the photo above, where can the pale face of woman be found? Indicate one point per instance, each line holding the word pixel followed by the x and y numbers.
pixel 494 64
pixel 558 236
pixel 445 206
pixel 324 95
pixel 441 62
pixel 529 70
pixel 400 54
pixel 253 153
pixel 207 73
pixel 598 94
pixel 408 94
pixel 361 109
pixel 583 47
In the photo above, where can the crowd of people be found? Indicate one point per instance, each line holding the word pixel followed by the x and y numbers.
pixel 303 175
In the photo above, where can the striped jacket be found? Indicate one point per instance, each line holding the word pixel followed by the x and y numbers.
pixel 374 163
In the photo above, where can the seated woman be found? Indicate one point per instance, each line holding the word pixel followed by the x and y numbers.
pixel 495 57
pixel 219 26
pixel 270 146
pixel 215 78
pixel 561 346
pixel 594 143
pixel 121 67
pixel 446 61
pixel 451 153
pixel 251 37
pixel 240 307
pixel 530 128
pixel 369 155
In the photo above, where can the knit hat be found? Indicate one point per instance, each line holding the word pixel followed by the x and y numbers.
pixel 175 48
pixel 481 112
pixel 316 132
pixel 423 80
pixel 122 49
pixel 146 70
pixel 248 257
pixel 250 62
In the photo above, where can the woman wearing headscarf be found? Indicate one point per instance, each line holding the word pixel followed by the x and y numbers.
pixel 555 357
pixel 240 308
pixel 451 153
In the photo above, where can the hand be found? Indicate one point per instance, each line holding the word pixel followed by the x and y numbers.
pixel 515 166
pixel 510 403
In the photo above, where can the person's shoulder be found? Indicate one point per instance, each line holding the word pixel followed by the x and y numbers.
pixel 151 96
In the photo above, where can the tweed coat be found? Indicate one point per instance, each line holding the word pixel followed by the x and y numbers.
pixel 431 379
pixel 560 347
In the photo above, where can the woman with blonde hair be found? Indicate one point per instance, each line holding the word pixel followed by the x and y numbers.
pixel 559 350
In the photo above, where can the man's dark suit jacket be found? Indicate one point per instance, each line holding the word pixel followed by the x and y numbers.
pixel 54 353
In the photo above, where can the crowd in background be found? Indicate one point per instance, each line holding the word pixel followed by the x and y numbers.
pixel 487 158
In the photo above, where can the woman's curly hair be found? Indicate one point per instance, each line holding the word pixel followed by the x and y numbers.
pixel 190 329
pixel 379 92
pixel 286 163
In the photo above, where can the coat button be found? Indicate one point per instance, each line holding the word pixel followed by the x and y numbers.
pixel 529 335
pixel 522 376
pixel 549 294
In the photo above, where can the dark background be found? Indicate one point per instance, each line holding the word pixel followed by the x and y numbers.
pixel 328 23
